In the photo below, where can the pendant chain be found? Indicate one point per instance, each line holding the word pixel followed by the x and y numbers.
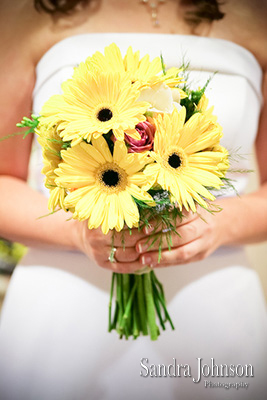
pixel 153 7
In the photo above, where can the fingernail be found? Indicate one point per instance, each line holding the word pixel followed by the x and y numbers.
pixel 148 229
pixel 141 247
pixel 146 260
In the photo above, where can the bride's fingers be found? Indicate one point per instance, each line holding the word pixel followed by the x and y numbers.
pixel 154 226
pixel 128 254
pixel 126 238
pixel 186 233
pixel 120 256
pixel 122 267
pixel 189 252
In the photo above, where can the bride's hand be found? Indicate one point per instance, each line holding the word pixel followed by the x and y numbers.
pixel 97 246
pixel 199 235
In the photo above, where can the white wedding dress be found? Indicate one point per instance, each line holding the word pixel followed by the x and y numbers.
pixel 54 343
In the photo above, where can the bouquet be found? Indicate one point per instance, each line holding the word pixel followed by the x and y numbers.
pixel 128 142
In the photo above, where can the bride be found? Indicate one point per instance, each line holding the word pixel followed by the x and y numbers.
pixel 53 338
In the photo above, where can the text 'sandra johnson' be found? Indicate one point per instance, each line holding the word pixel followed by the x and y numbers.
pixel 203 370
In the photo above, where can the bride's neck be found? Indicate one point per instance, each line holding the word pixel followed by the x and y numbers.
pixel 124 16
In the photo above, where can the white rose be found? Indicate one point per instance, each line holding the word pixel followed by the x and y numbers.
pixel 161 98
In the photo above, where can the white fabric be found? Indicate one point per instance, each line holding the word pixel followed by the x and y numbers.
pixel 53 335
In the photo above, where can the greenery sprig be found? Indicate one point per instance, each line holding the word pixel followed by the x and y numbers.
pixel 164 216
pixel 193 98
pixel 30 123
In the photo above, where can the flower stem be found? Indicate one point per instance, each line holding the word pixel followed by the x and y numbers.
pixel 110 302
pixel 136 321
pixel 125 296
pixel 126 315
pixel 157 306
pixel 119 300
pixel 162 301
pixel 141 304
pixel 150 307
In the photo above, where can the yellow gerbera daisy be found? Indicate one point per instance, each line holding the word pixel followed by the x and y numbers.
pixel 141 71
pixel 94 105
pixel 101 185
pixel 183 167
pixel 110 61
pixel 203 108
pixel 224 164
pixel 148 73
pixel 51 144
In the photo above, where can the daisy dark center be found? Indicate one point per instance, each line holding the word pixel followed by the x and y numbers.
pixel 174 160
pixel 104 115
pixel 111 178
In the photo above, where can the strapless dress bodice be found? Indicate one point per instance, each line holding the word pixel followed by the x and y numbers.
pixel 235 88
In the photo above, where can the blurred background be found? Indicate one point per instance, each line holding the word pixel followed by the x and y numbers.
pixel 10 253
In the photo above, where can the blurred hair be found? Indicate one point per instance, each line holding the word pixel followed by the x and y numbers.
pixel 200 10
pixel 58 6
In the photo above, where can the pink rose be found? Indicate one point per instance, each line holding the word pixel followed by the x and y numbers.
pixel 146 131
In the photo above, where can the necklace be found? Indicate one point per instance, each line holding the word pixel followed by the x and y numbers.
pixel 153 7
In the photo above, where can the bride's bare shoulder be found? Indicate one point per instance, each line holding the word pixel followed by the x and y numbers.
pixel 29 32
pixel 245 24
pixel 25 32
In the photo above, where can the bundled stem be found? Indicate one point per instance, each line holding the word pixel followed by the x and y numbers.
pixel 139 303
